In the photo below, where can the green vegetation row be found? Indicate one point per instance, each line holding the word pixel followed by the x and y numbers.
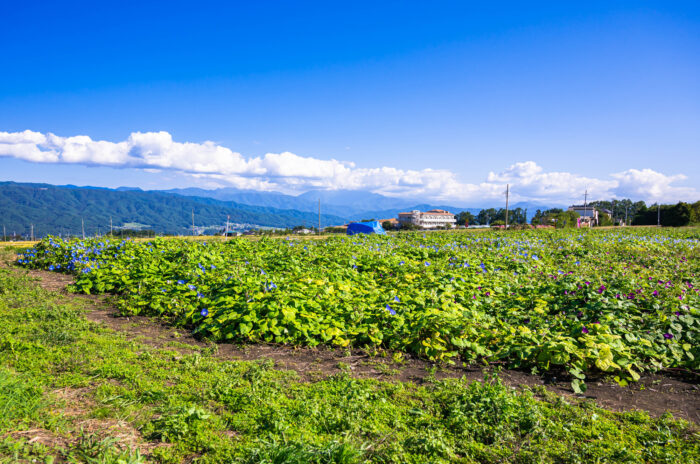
pixel 187 405
pixel 619 302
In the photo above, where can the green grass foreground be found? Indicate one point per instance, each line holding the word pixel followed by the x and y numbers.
pixel 195 407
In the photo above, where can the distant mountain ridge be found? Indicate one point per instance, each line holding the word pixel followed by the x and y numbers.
pixel 63 209
pixel 56 209
pixel 349 204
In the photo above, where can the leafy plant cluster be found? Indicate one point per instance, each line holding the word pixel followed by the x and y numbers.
pixel 619 302
pixel 188 405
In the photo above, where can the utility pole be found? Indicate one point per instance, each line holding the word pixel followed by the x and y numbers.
pixel 4 234
pixel 626 210
pixel 82 225
pixel 507 193
pixel 193 222
pixel 110 227
pixel 585 206
pixel 32 235
pixel 228 218
pixel 319 216
pixel 658 214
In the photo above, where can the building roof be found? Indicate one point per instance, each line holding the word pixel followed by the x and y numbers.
pixel 439 212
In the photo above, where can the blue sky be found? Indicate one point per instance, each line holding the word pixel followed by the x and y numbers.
pixel 445 100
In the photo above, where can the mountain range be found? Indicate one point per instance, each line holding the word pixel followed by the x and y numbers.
pixel 53 209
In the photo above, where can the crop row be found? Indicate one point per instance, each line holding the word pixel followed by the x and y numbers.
pixel 620 302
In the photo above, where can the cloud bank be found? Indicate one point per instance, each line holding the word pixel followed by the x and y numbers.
pixel 293 173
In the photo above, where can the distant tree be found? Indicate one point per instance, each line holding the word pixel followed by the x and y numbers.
pixel 604 220
pixel 408 226
pixel 671 215
pixel 387 225
pixel 487 216
pixel 465 217
pixel 695 213
pixel 517 216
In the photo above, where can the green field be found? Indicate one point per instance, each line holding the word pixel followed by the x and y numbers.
pixel 72 391
pixel 75 391
pixel 619 302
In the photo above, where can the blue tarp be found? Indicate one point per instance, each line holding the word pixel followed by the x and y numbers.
pixel 365 228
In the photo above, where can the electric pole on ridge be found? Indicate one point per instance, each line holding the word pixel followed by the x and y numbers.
pixel 507 193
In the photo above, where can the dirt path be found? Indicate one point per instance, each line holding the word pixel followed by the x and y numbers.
pixel 678 393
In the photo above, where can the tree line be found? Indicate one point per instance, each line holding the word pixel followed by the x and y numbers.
pixel 621 211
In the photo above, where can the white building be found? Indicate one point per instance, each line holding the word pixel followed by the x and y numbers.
pixel 429 219
pixel 589 215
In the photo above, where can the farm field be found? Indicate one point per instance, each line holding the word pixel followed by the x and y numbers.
pixel 616 302
pixel 72 390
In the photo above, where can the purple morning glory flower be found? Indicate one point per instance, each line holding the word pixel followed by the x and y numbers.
pixel 391 311
pixel 601 289
pixel 588 283
pixel 677 313
pixel 668 336
pixel 584 330
pixel 204 312
pixel 655 293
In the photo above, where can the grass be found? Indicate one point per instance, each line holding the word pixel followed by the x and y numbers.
pixel 92 395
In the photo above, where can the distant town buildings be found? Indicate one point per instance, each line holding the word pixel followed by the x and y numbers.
pixel 589 214
pixel 429 219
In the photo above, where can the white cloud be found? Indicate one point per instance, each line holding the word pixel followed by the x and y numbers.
pixel 288 172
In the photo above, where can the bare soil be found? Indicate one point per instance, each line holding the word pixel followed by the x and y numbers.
pixel 674 391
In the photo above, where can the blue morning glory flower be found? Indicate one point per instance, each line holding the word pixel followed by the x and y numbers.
pixel 391 311
pixel 181 282
pixel 191 287
pixel 204 312
pixel 396 299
